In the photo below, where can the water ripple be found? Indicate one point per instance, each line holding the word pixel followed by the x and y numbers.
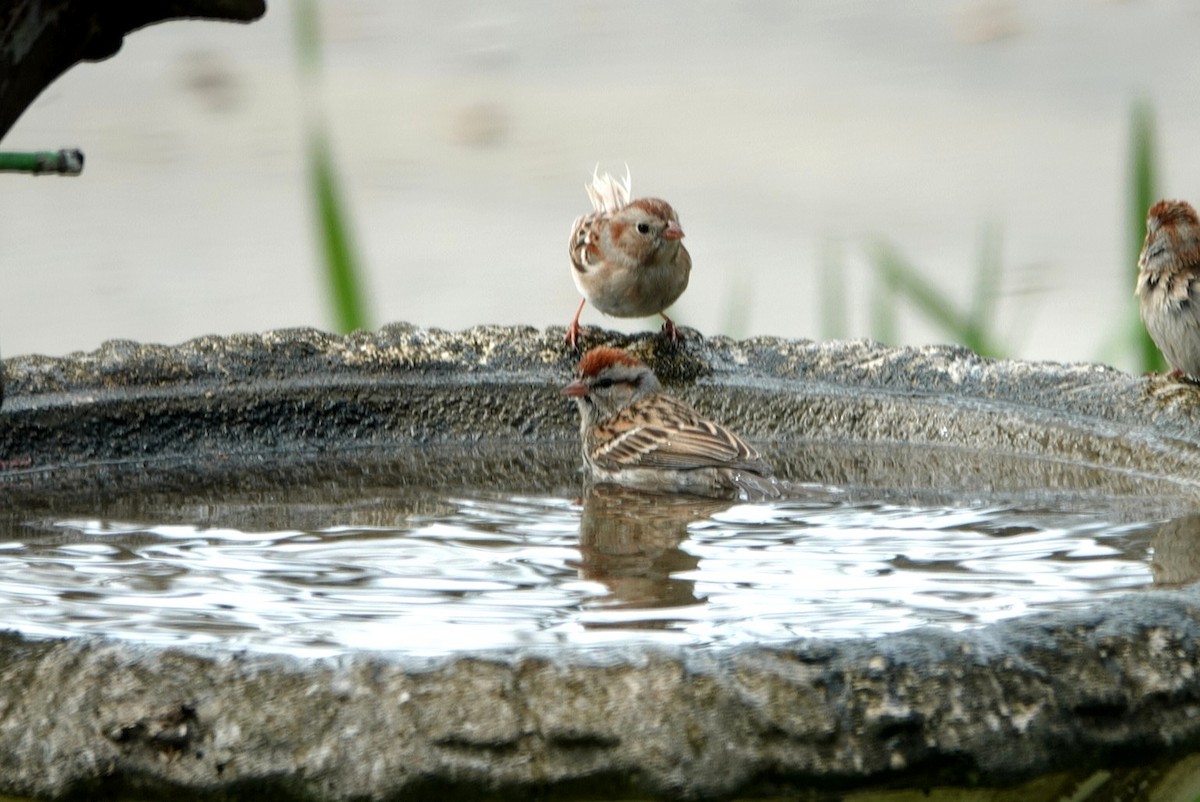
pixel 478 570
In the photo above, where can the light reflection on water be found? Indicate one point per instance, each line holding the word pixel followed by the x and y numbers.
pixel 479 570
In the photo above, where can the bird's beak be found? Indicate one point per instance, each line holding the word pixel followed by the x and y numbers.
pixel 673 230
pixel 575 389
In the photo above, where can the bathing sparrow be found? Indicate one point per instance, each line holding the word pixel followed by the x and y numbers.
pixel 626 256
pixel 1168 284
pixel 635 434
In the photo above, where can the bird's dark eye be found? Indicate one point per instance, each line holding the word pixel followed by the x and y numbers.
pixel 603 383
pixel 643 228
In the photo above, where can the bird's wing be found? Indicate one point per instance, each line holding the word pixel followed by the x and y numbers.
pixel 683 440
pixel 608 195
pixel 1183 287
pixel 584 244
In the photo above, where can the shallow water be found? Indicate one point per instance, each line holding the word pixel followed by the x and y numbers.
pixel 432 572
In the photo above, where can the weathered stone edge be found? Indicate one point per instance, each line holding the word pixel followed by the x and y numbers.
pixel 128 410
pixel 1080 389
pixel 1003 704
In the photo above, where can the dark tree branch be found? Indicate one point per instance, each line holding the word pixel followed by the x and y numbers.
pixel 42 39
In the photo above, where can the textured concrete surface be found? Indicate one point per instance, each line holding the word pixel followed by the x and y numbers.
pixel 131 415
pixel 1001 704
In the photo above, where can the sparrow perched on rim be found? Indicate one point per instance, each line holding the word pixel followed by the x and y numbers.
pixel 635 434
pixel 627 257
pixel 1168 284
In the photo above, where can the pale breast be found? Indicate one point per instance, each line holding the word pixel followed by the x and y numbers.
pixel 1172 317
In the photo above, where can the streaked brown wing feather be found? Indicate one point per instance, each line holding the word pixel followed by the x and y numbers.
pixel 687 441
pixel 583 243
pixel 705 444
pixel 1182 287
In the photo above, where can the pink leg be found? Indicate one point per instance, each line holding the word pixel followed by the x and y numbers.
pixel 669 328
pixel 573 331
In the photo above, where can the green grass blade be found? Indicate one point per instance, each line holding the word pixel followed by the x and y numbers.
pixel 1143 192
pixel 341 265
pixel 308 36
pixel 831 291
pixel 883 312
pixel 902 278
pixel 987 282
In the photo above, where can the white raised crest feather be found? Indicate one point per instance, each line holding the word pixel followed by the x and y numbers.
pixel 609 193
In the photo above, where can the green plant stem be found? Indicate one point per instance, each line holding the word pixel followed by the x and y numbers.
pixel 832 294
pixel 67 161
pixel 899 278
pixel 987 282
pixel 1143 192
pixel 308 36
pixel 341 264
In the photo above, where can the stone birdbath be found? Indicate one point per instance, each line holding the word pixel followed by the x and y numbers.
pixel 1103 689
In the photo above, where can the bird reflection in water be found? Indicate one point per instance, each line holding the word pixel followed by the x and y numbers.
pixel 1176 559
pixel 630 539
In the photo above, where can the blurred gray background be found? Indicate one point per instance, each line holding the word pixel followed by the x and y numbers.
pixel 789 135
